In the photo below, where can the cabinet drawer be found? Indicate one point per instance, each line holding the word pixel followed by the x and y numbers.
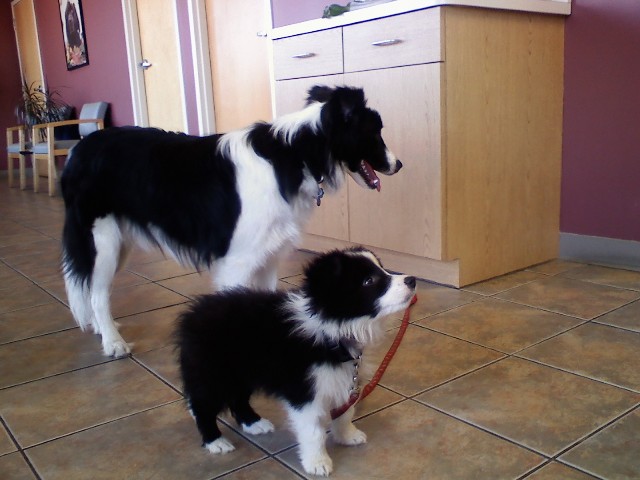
pixel 318 53
pixel 407 39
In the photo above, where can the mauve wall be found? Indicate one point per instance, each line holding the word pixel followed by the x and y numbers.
pixel 106 78
pixel 601 147
pixel 9 79
pixel 286 12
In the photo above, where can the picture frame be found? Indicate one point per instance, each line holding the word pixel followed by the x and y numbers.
pixel 73 35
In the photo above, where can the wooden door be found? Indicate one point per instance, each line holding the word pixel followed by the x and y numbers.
pixel 331 218
pixel 160 45
pixel 239 62
pixel 27 41
pixel 406 215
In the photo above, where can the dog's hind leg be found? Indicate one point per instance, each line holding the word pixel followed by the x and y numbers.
pixel 108 241
pixel 79 301
pixel 205 411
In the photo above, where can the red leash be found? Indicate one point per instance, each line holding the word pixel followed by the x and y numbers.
pixel 368 388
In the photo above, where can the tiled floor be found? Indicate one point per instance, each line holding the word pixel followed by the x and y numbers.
pixel 532 375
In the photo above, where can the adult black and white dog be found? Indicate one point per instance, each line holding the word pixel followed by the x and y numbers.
pixel 297 345
pixel 233 203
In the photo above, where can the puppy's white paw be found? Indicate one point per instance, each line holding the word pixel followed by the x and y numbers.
pixel 319 464
pixel 351 436
pixel 257 428
pixel 220 445
pixel 116 348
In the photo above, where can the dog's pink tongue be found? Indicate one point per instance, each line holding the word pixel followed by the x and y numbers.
pixel 369 175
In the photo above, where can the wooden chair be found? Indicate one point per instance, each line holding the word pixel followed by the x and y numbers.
pixel 17 148
pixel 91 118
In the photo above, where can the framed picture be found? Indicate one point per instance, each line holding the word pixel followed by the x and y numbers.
pixel 75 43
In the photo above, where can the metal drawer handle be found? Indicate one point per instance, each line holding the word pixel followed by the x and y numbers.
pixel 386 43
pixel 304 55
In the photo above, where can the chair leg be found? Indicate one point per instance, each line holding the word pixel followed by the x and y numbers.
pixel 36 174
pixel 10 169
pixel 23 173
pixel 51 164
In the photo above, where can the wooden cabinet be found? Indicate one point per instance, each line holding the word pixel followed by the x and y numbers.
pixel 471 100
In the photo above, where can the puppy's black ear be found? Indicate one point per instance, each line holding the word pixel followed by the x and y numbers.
pixel 348 100
pixel 319 93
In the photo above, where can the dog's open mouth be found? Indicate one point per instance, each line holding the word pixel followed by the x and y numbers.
pixel 369 175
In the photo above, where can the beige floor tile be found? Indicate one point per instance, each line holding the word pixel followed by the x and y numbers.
pixel 554 267
pixel 13 467
pixel 411 441
pixel 189 285
pixel 504 282
pixel 536 406
pixel 596 351
pixel 294 263
pixel 417 364
pixel 557 471
pixel 163 362
pixel 267 469
pixel 50 408
pixel 30 322
pixel 24 297
pixel 614 277
pixel 434 299
pixel 48 355
pixel 40 268
pixel 161 270
pixel 613 452
pixel 626 317
pixel 142 298
pixel 6 444
pixel 11 280
pixel 570 297
pixel 44 247
pixel 498 324
pixel 150 330
pixel 162 443
pixel 140 256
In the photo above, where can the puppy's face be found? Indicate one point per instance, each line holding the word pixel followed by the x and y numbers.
pixel 352 284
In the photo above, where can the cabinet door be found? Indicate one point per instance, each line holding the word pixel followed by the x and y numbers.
pixel 330 219
pixel 406 216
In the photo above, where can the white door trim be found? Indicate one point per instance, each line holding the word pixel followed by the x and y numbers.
pixel 201 67
pixel 134 57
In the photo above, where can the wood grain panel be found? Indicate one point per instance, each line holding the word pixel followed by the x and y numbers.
pixel 371 45
pixel 503 88
pixel 406 215
pixel 318 53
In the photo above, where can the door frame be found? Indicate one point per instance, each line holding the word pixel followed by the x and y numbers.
pixel 134 57
pixel 37 39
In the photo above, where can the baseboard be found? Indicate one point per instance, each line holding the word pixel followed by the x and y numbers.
pixel 601 250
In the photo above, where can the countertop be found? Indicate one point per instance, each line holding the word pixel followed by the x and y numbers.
pixel 555 7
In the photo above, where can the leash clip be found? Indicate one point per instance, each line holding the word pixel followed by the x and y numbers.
pixel 320 193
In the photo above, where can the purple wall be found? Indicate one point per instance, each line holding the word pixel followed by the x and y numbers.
pixel 601 145
pixel 286 12
pixel 10 78
pixel 106 78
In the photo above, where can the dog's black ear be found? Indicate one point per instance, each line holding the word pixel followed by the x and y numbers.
pixel 348 100
pixel 319 93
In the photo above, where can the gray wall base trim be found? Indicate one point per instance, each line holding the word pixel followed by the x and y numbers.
pixel 607 251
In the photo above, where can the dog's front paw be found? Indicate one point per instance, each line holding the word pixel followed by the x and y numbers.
pixel 319 464
pixel 220 445
pixel 116 348
pixel 257 428
pixel 350 436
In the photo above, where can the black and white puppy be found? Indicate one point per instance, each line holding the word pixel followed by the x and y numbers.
pixel 232 203
pixel 298 346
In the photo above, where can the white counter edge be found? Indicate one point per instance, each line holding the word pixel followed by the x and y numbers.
pixel 556 7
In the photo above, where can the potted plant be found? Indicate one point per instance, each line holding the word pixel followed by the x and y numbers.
pixel 38 106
